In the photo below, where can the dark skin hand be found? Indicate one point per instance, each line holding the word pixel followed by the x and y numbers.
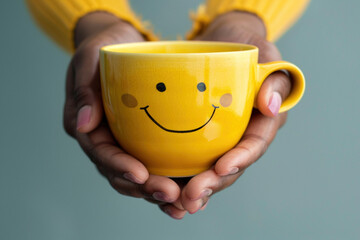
pixel 84 116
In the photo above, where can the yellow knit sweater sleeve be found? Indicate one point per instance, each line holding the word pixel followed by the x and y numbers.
pixel 58 18
pixel 278 15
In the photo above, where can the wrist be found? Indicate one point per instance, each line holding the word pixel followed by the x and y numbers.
pixel 95 22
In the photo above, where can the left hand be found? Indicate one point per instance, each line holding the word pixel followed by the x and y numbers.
pixel 84 115
pixel 241 27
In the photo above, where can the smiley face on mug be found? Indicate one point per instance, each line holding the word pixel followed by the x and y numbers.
pixel 131 101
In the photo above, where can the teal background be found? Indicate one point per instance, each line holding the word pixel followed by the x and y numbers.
pixel 305 187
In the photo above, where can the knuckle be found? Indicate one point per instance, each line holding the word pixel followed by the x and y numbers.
pixel 283 79
pixel 83 54
pixel 258 41
pixel 284 84
pixel 103 155
pixel 92 47
pixel 268 51
pixel 81 94
pixel 258 145
pixel 99 43
pixel 92 152
pixel 281 83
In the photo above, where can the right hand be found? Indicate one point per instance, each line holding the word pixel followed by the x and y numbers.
pixel 84 116
pixel 242 27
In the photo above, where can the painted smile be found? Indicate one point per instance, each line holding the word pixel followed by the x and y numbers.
pixel 178 131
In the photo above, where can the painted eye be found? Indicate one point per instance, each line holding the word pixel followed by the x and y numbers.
pixel 161 87
pixel 201 87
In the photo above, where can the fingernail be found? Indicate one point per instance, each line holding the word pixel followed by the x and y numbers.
pixel 275 103
pixel 203 207
pixel 132 178
pixel 233 171
pixel 205 193
pixel 83 117
pixel 160 196
pixel 171 214
pixel 200 205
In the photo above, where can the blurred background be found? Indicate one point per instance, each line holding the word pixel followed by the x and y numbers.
pixel 305 187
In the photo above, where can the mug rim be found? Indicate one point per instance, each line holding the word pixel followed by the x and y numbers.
pixel 243 48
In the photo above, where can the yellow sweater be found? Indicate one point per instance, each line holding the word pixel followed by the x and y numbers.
pixel 58 18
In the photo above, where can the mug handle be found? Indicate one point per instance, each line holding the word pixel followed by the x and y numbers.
pixel 296 76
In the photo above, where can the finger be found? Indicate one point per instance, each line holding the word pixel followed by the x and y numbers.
pixel 126 187
pixel 173 211
pixel 177 204
pixel 273 91
pixel 277 86
pixel 86 91
pixel 181 182
pixel 162 188
pixel 255 141
pixel 201 187
pixel 152 200
pixel 102 149
pixel 157 189
pixel 205 205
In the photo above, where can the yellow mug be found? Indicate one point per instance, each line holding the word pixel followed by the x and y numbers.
pixel 177 106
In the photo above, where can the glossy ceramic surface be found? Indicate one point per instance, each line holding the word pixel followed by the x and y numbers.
pixel 178 106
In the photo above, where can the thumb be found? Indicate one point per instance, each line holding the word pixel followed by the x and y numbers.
pixel 87 92
pixel 276 87
pixel 273 92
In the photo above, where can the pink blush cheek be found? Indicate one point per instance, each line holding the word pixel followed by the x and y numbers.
pixel 129 100
pixel 226 100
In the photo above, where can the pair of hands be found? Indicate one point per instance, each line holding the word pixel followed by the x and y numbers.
pixel 85 121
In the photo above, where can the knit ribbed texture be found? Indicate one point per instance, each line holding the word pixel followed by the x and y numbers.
pixel 278 15
pixel 58 18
